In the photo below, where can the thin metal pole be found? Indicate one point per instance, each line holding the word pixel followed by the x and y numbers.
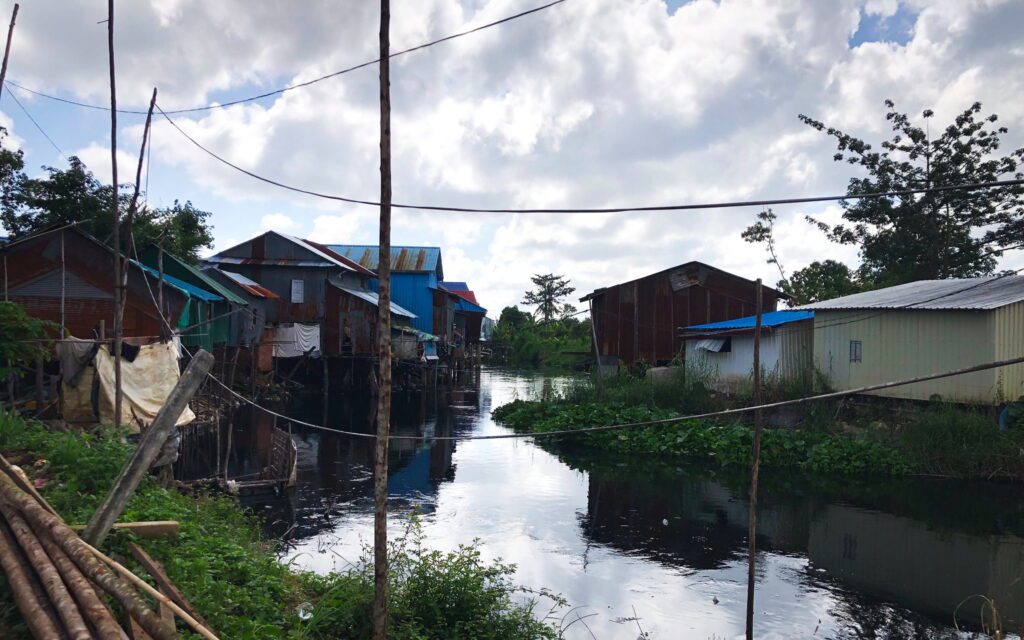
pixel 7 49
pixel 116 215
pixel 380 481
pixel 754 469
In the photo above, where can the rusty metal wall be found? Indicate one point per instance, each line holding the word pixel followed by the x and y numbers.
pixel 639 320
pixel 345 311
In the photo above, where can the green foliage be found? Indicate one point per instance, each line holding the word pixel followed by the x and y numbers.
pixel 434 596
pixel 898 237
pixel 23 339
pixel 548 296
pixel 522 342
pixel 819 281
pixel 75 195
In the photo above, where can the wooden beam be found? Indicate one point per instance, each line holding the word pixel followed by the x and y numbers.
pixel 147 530
pixel 168 588
pixel 152 442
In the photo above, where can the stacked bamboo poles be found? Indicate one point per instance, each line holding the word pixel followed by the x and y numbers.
pixel 57 579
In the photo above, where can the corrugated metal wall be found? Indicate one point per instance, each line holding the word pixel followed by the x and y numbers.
pixel 1009 338
pixel 412 292
pixel 796 350
pixel 903 344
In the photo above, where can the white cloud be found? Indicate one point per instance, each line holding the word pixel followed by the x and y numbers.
pixel 278 222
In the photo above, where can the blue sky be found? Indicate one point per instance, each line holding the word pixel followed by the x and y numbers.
pixel 590 103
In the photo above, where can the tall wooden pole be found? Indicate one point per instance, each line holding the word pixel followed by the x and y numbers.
pixel 754 469
pixel 7 49
pixel 380 468
pixel 115 214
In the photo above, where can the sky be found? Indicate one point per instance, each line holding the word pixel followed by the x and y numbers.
pixel 591 103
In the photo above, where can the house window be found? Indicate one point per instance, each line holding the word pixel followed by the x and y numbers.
pixel 298 291
pixel 855 350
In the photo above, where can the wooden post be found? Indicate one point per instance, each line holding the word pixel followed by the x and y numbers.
pixel 380 467
pixel 152 441
pixel 7 49
pixel 754 469
pixel 40 397
pixel 63 286
pixel 116 216
pixel 160 289
pixel 327 387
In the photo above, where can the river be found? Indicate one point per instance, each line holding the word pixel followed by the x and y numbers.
pixel 664 541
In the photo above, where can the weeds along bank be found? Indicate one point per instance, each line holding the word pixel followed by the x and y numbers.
pixel 824 437
pixel 233 577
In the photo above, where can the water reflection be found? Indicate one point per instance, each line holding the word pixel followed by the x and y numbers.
pixel 838 559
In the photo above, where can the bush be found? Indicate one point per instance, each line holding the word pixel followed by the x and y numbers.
pixel 23 339
pixel 434 596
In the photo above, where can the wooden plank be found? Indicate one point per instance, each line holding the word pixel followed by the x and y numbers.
pixel 155 569
pixel 149 530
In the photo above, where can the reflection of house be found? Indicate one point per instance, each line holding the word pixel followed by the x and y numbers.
pixel 903 559
pixel 639 320
pixel 921 328
pixel 725 350
pixel 65 272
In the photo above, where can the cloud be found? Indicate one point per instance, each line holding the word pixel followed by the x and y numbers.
pixel 278 222
pixel 592 103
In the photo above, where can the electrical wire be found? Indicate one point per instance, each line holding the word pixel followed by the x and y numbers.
pixel 40 128
pixel 301 84
pixel 625 209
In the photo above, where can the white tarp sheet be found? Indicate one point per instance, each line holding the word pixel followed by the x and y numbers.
pixel 146 383
pixel 293 340
pixel 710 344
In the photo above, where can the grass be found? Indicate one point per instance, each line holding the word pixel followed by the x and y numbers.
pixel 233 577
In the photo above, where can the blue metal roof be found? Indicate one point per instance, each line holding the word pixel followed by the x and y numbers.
pixel 192 290
pixel 770 319
pixel 403 258
pixel 452 285
pixel 465 305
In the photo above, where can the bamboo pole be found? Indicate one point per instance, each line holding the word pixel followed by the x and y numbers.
pixel 755 467
pixel 84 557
pixel 48 574
pixel 7 49
pixel 380 468
pixel 116 216
pixel 28 595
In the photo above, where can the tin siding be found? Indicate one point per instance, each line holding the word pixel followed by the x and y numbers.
pixel 796 350
pixel 1009 339
pixel 412 292
pixel 905 344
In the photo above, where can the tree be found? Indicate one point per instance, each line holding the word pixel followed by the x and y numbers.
pixel 945 234
pixel 512 318
pixel 548 295
pixel 820 281
pixel 764 231
pixel 23 339
pixel 75 195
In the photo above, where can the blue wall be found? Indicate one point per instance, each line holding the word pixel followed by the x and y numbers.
pixel 413 291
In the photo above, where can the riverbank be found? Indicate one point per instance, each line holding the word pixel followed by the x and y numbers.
pixel 233 577
pixel 825 437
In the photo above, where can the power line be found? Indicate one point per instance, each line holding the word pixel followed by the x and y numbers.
pixel 308 82
pixel 40 128
pixel 628 209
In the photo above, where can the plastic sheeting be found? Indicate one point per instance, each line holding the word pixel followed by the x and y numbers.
pixel 146 382
pixel 293 340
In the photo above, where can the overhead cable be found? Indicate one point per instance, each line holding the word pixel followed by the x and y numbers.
pixel 300 84
pixel 624 209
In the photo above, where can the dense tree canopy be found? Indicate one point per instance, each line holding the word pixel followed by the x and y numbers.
pixel 75 195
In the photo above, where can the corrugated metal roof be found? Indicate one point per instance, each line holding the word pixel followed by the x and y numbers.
pixel 453 285
pixel 374 299
pixel 771 319
pixel 465 305
pixel 955 293
pixel 422 259
pixel 250 286
pixel 208 283
pixel 190 289
pixel 352 264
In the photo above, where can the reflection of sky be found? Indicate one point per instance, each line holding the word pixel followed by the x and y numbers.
pixel 527 507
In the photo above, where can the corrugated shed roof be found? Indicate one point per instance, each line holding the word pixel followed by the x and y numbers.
pixel 770 319
pixel 463 304
pixel 453 285
pixel 190 289
pixel 208 283
pixel 952 294
pixel 423 259
pixel 250 286
pixel 355 266
pixel 374 299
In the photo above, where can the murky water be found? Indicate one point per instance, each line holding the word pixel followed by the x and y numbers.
pixel 666 541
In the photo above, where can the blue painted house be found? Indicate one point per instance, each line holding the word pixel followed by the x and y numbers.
pixel 416 275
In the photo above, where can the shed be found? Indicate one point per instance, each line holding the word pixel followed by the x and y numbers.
pixel 639 320
pixel 925 327
pixel 246 327
pixel 726 349
pixel 469 315
pixel 36 266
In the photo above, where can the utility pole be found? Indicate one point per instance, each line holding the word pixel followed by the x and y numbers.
pixel 7 49
pixel 116 239
pixel 380 467
pixel 754 468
